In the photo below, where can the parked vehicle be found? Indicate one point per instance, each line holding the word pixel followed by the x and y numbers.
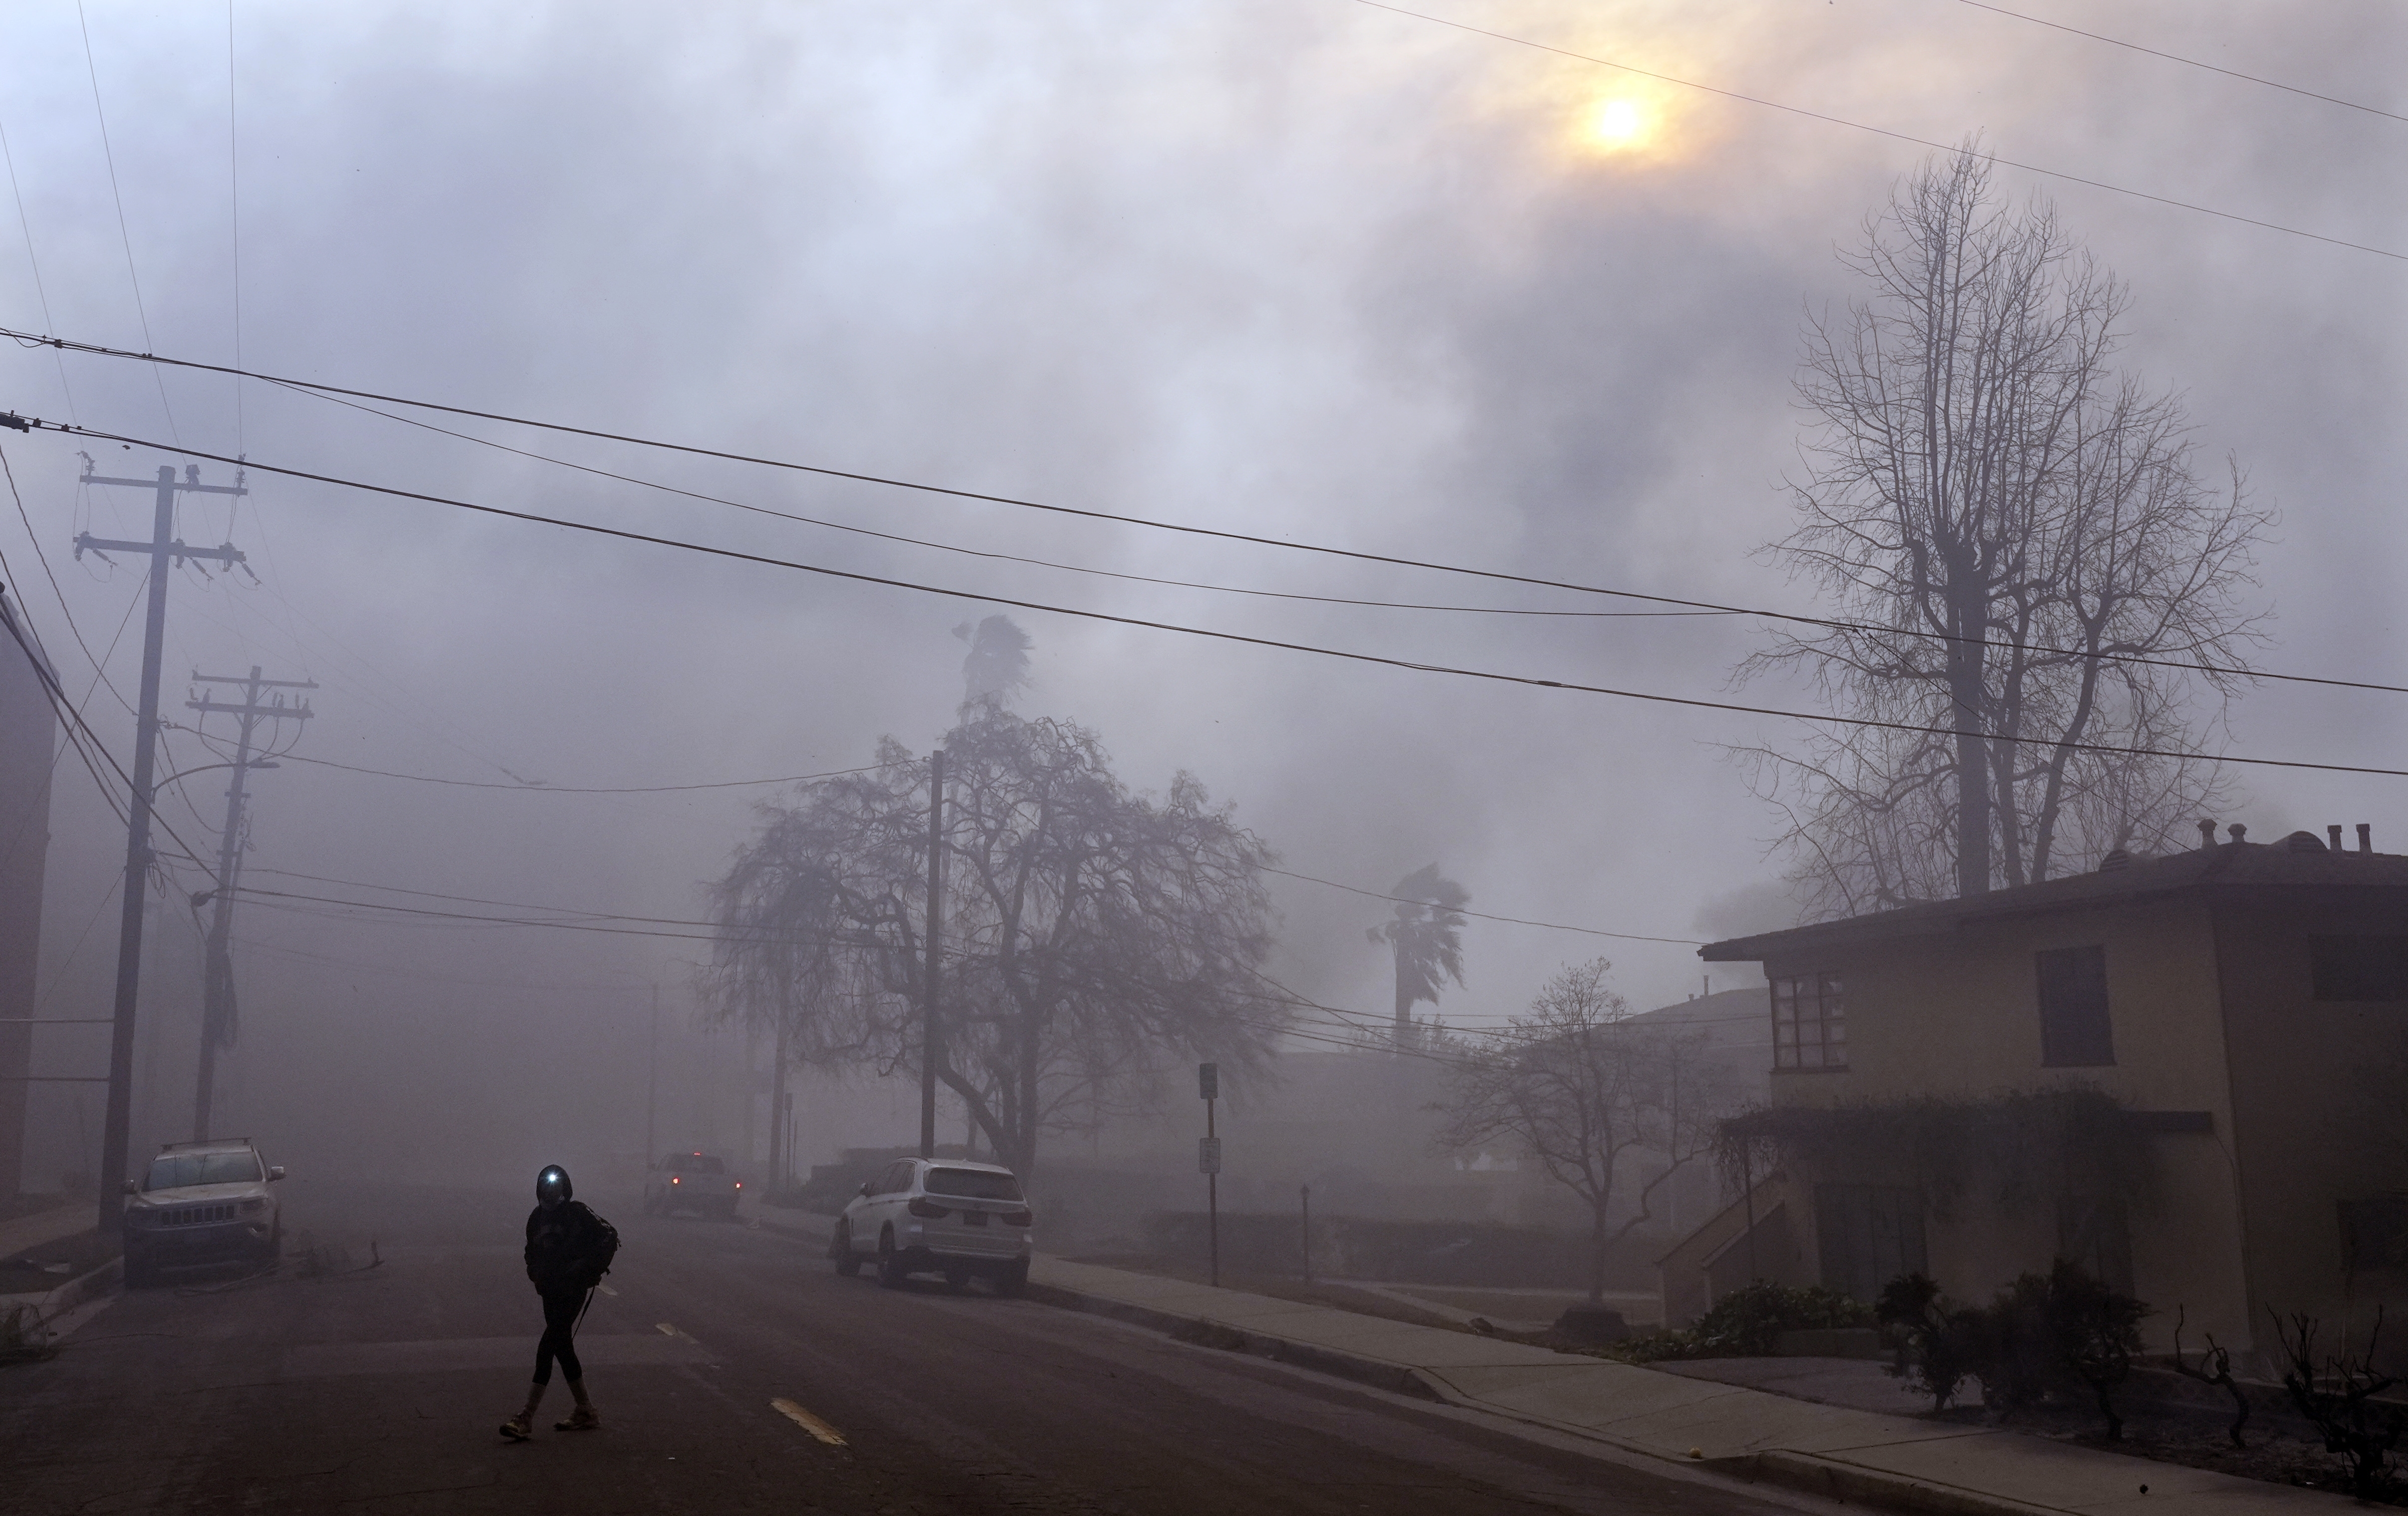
pixel 695 1181
pixel 202 1203
pixel 963 1219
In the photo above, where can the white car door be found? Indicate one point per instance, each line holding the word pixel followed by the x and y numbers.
pixel 878 1210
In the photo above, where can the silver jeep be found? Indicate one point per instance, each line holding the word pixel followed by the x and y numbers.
pixel 202 1203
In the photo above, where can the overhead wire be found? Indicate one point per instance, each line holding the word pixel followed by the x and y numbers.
pixel 41 293
pixel 1461 910
pixel 978 553
pixel 1381 660
pixel 1184 528
pixel 538 788
pixel 1878 131
pixel 2176 58
pixel 118 195
pixel 66 711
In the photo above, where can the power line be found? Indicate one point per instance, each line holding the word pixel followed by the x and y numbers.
pixel 2137 660
pixel 118 195
pixel 975 552
pixel 1512 920
pixel 40 293
pixel 1880 131
pixel 576 789
pixel 1490 675
pixel 2194 63
pixel 234 228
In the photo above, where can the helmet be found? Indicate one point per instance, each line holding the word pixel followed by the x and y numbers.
pixel 551 1186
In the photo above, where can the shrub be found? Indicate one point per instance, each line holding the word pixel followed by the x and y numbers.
pixel 2044 1335
pixel 1940 1343
pixel 1748 1322
pixel 2337 1394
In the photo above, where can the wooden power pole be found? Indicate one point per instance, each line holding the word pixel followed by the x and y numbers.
pixel 217 972
pixel 163 549
pixel 928 1044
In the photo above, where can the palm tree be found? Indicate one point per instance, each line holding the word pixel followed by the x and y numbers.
pixel 1425 933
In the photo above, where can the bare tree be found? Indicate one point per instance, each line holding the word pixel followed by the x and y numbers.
pixel 1093 938
pixel 2023 561
pixel 1424 934
pixel 1581 1088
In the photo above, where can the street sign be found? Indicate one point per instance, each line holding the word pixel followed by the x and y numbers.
pixel 1208 1154
pixel 1208 1081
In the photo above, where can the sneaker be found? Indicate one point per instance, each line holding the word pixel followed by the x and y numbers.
pixel 516 1428
pixel 583 1419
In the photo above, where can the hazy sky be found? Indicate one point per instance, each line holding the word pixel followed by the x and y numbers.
pixel 1307 268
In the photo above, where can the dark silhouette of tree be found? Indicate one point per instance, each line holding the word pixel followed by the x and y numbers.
pixel 1424 934
pixel 1093 940
pixel 2004 521
pixel 1583 1088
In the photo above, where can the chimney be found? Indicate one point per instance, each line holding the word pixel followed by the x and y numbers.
pixel 2236 831
pixel 2365 840
pixel 2332 839
pixel 2206 835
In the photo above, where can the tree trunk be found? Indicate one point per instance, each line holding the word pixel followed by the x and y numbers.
pixel 1596 1252
pixel 1966 706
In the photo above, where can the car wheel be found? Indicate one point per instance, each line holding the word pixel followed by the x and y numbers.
pixel 847 1263
pixel 890 1262
pixel 138 1274
pixel 1012 1280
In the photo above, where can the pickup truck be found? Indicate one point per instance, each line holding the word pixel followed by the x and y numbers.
pixel 695 1181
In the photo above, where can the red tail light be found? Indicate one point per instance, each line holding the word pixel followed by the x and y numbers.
pixel 1018 1218
pixel 926 1207
pixel 740 1184
pixel 673 1179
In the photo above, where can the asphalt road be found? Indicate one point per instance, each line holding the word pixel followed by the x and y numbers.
pixel 379 1390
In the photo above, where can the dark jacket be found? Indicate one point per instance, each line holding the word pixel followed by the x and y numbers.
pixel 568 1248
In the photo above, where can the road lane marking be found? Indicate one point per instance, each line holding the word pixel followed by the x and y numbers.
pixel 807 1421
pixel 607 1290
pixel 668 1330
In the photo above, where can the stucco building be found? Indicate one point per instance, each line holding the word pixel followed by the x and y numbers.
pixel 2184 1072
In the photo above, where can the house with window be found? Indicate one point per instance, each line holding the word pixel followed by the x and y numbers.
pixel 2184 1072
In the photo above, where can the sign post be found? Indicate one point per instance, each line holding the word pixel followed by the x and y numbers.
pixel 1207 1160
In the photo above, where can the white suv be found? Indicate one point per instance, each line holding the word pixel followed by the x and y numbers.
pixel 938 1216
pixel 202 1203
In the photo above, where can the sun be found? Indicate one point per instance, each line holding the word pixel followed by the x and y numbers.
pixel 1620 126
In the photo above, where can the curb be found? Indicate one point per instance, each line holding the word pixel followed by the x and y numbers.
pixel 54 1303
pixel 1804 1472
pixel 1813 1474
pixel 1379 1373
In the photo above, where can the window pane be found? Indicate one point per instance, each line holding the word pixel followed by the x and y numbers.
pixel 2360 968
pixel 2075 1030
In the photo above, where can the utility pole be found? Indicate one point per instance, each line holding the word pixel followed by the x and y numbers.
pixel 653 1082
pixel 217 972
pixel 1208 1158
pixel 928 979
pixel 163 547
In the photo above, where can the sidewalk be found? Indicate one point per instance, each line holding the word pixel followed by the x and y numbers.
pixel 1825 1450
pixel 46 1226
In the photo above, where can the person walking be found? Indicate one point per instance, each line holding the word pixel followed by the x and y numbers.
pixel 568 1250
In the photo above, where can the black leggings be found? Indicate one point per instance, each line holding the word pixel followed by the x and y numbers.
pixel 559 1337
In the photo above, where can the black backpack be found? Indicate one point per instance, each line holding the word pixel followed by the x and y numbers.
pixel 605 1245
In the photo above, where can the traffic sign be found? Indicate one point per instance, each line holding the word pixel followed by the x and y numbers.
pixel 1208 1155
pixel 1208 1081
